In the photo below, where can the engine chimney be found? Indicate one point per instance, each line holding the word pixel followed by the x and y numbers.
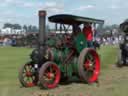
pixel 42 33
pixel 42 23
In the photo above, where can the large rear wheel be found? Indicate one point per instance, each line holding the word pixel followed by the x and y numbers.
pixel 89 65
pixel 27 75
pixel 49 75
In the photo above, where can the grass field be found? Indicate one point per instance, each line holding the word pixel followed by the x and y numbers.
pixel 113 81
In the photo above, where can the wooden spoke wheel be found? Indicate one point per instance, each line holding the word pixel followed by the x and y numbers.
pixel 89 65
pixel 49 75
pixel 27 75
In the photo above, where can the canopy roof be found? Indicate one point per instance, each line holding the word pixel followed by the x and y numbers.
pixel 124 26
pixel 72 19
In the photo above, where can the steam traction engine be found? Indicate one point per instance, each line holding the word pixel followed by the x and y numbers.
pixel 123 52
pixel 62 55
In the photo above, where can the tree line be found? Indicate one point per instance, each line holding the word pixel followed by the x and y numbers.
pixel 27 28
pixel 32 28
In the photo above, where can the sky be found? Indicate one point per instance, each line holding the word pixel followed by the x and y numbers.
pixel 26 11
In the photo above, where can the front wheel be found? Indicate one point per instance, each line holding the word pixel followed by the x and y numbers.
pixel 49 75
pixel 27 75
pixel 89 65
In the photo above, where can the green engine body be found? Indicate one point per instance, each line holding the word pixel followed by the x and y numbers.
pixel 80 42
pixel 60 54
pixel 67 68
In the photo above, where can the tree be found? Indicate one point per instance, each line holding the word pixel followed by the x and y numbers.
pixel 34 29
pixel 30 28
pixel 25 28
pixel 110 30
pixel 7 25
pixel 12 26
pixel 47 28
pixel 16 26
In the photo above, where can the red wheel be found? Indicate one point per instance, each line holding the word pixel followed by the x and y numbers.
pixel 89 65
pixel 49 75
pixel 27 75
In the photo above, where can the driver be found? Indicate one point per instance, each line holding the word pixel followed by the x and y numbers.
pixel 87 30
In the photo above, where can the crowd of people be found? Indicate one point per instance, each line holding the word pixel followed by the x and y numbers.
pixel 18 40
pixel 31 40
pixel 111 40
pixel 7 41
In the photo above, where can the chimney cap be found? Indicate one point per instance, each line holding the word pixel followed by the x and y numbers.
pixel 42 13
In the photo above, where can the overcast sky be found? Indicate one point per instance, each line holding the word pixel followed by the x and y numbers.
pixel 26 11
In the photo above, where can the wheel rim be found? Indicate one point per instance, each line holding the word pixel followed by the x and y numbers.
pixel 92 66
pixel 51 76
pixel 28 75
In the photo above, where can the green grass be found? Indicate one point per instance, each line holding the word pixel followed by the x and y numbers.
pixel 108 56
pixel 113 81
pixel 10 60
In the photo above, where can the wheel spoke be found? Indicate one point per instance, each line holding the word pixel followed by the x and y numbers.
pixel 25 68
pixel 51 69
pixel 55 72
pixel 33 79
pixel 90 57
